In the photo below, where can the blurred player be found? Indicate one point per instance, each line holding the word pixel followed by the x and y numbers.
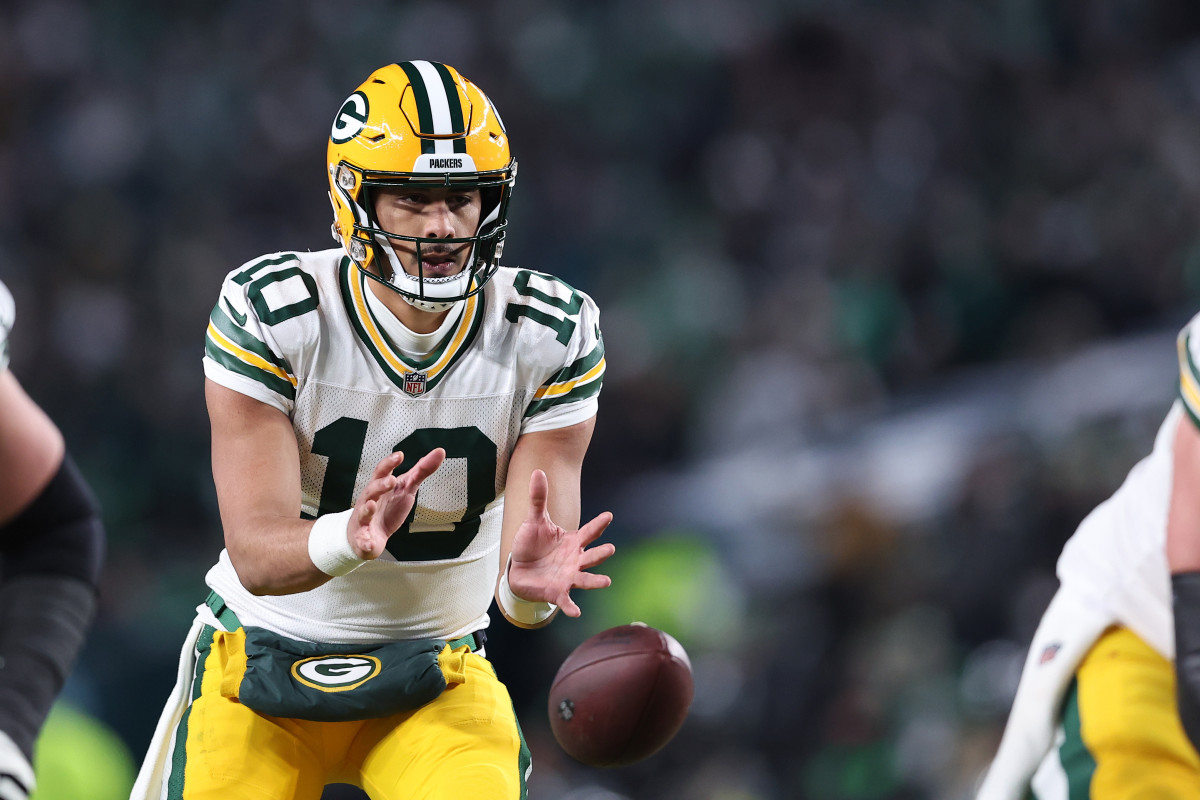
pixel 341 383
pixel 1095 713
pixel 51 547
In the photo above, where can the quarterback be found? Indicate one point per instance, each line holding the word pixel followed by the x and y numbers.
pixel 1097 713
pixel 398 429
pixel 51 549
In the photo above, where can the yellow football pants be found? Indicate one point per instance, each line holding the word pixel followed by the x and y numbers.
pixel 1123 738
pixel 466 743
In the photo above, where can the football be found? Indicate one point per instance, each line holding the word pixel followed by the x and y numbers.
pixel 620 695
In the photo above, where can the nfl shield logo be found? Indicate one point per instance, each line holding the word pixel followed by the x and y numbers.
pixel 1050 652
pixel 414 383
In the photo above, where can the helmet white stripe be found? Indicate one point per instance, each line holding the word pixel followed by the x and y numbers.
pixel 439 106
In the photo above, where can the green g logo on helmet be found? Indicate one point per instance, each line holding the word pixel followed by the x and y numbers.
pixel 336 673
pixel 350 119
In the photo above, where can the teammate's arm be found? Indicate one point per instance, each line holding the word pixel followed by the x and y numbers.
pixel 256 468
pixel 51 548
pixel 541 516
pixel 31 448
pixel 1183 557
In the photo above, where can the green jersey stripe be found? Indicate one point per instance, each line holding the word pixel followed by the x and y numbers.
pixel 235 364
pixel 581 392
pixel 246 340
pixel 581 366
pixel 344 270
pixel 347 273
pixel 247 275
pixel 414 364
pixel 1185 355
pixel 571 307
pixel 456 110
pixel 421 97
pixel 1189 376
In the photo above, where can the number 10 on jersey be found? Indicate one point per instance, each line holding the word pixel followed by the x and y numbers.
pixel 342 442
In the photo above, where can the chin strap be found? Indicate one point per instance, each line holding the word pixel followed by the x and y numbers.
pixel 454 287
pixel 440 294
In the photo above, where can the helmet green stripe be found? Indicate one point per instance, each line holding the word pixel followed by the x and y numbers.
pixel 424 111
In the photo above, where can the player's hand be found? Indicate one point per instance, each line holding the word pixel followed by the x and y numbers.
pixel 548 561
pixel 386 501
pixel 16 775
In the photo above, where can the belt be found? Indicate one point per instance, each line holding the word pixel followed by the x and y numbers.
pixel 229 620
pixel 475 640
pixel 222 612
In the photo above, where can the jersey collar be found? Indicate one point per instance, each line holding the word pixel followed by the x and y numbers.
pixel 399 368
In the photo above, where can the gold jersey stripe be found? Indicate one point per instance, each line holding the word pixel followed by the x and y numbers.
pixel 556 389
pixel 360 306
pixel 1191 393
pixel 464 325
pixel 1188 387
pixel 246 356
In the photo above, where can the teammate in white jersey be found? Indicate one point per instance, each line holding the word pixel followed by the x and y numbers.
pixel 430 410
pixel 1095 714
pixel 51 548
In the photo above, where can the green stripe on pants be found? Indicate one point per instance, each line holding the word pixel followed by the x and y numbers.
pixel 1076 759
pixel 179 754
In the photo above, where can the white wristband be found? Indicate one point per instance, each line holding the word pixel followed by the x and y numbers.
pixel 329 547
pixel 518 609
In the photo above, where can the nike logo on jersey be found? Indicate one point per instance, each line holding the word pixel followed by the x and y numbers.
pixel 240 319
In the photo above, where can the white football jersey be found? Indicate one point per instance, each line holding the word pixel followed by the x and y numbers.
pixel 1117 558
pixel 297 331
pixel 8 313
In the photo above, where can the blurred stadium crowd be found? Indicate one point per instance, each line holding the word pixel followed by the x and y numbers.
pixel 889 293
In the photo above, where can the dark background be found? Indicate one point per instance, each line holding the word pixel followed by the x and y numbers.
pixel 889 293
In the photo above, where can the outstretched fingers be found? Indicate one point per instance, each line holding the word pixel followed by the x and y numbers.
pixel 377 488
pixel 423 468
pixel 590 580
pixel 539 490
pixel 567 605
pixel 596 526
pixel 596 556
pixel 583 580
pixel 387 464
pixel 362 540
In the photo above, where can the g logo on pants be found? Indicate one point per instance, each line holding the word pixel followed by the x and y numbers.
pixel 336 673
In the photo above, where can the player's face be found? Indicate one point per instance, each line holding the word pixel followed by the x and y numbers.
pixel 430 213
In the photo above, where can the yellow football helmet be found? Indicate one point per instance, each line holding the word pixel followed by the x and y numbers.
pixel 419 122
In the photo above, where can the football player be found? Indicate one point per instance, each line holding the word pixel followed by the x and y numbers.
pixel 398 429
pixel 1096 711
pixel 51 548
